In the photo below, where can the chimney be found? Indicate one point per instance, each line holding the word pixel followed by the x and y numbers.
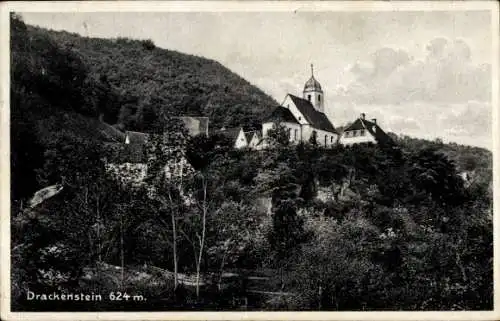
pixel 374 120
pixel 363 116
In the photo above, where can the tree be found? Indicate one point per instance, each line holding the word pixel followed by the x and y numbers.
pixel 167 177
pixel 279 135
pixel 233 228
pixel 435 174
pixel 286 234
pixel 206 196
pixel 333 271
pixel 313 140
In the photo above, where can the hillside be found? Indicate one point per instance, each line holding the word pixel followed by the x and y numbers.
pixel 61 83
pixel 150 79
pixel 476 161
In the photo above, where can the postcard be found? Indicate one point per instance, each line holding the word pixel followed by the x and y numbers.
pixel 251 160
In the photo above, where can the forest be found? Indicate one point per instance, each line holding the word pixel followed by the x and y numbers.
pixel 293 227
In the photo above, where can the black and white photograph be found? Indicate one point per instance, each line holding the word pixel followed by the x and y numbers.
pixel 249 157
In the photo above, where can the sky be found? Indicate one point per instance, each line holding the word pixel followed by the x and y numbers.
pixel 420 73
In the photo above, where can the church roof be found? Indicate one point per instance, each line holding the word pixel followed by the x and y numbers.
pixel 372 127
pixel 281 114
pixel 312 85
pixel 316 118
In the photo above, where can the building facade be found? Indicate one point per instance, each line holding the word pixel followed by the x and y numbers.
pixel 304 117
pixel 363 130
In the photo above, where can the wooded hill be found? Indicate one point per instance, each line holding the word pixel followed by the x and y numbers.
pixel 62 81
pixel 152 80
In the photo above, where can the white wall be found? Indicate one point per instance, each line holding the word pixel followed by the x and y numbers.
pixel 320 136
pixel 316 101
pixel 331 138
pixel 288 103
pixel 292 126
pixel 349 139
pixel 266 127
pixel 241 140
pixel 306 133
pixel 254 141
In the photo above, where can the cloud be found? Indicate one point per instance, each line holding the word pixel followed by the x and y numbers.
pixel 446 74
pixel 401 124
pixel 468 123
pixel 474 119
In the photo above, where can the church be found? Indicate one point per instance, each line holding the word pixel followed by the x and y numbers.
pixel 306 120
pixel 304 117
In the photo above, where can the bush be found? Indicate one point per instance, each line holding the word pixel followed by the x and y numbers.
pixel 148 44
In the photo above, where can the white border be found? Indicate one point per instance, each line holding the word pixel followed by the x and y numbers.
pixel 228 6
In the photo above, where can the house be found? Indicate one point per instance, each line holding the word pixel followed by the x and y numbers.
pixel 236 136
pixel 364 131
pixel 133 150
pixel 253 139
pixel 304 117
pixel 130 164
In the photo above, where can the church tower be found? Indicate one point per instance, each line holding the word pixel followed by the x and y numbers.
pixel 314 93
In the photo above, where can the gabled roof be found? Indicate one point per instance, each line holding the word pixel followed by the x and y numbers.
pixel 281 114
pixel 110 133
pixel 232 133
pixel 249 135
pixel 372 127
pixel 315 118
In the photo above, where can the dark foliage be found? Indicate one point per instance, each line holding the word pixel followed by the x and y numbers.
pixel 152 80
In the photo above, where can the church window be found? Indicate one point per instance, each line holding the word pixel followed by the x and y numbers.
pixel 362 132
pixel 295 134
pixel 289 133
pixel 326 139
pixel 319 97
pixel 331 139
pixel 309 97
pixel 354 133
